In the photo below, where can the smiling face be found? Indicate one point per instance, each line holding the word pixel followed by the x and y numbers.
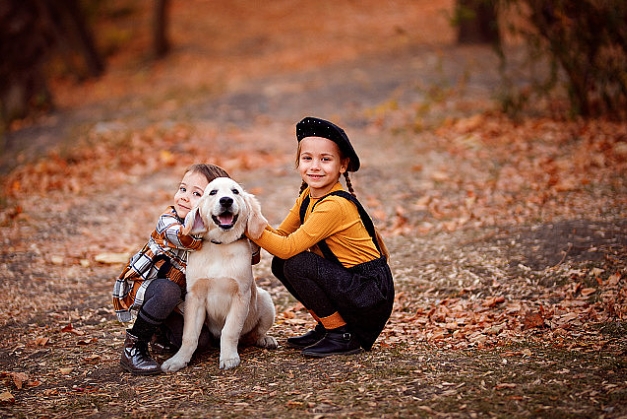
pixel 320 164
pixel 190 190
pixel 225 212
pixel 228 203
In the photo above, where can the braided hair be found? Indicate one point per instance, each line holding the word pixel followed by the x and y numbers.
pixel 349 184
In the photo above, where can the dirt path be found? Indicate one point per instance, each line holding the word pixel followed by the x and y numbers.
pixel 508 242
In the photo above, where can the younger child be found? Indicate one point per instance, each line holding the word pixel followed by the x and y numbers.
pixel 326 250
pixel 153 283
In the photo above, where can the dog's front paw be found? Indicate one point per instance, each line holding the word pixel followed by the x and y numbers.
pixel 267 342
pixel 173 364
pixel 228 363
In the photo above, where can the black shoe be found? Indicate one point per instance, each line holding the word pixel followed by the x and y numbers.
pixel 310 338
pixel 336 342
pixel 161 345
pixel 135 358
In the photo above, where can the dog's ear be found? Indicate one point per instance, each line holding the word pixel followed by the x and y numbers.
pixel 194 223
pixel 256 222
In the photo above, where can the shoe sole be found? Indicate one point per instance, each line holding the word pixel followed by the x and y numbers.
pixel 135 372
pixel 297 346
pixel 323 355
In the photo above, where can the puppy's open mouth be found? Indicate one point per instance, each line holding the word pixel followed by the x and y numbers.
pixel 226 220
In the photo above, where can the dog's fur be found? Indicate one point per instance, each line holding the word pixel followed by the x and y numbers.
pixel 220 281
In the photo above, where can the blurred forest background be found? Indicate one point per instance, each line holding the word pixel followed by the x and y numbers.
pixel 494 147
pixel 581 44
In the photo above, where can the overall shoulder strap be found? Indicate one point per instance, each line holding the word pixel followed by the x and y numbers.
pixel 365 217
pixel 303 209
pixel 322 245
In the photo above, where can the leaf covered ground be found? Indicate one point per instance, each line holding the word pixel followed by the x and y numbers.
pixel 508 238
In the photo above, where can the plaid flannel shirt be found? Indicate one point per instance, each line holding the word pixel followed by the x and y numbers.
pixel 164 256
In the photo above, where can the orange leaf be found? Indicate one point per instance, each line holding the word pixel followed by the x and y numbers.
pixel 41 341
pixel 533 320
pixel 493 301
pixel 18 379
pixel 93 359
pixel 588 291
pixel 7 398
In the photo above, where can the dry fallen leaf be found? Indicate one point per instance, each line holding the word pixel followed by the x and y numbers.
pixel 57 260
pixel 533 320
pixel 112 258
pixel 493 301
pixel 41 341
pixel 7 398
pixel 93 359
pixel 489 171
pixel 19 378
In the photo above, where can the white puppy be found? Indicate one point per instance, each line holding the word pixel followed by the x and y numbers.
pixel 220 281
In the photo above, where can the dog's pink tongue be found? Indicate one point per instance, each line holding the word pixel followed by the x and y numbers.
pixel 225 219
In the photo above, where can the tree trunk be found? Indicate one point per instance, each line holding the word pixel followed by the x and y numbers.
pixel 161 44
pixel 23 47
pixel 72 34
pixel 477 22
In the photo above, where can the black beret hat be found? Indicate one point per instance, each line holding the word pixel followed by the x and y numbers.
pixel 316 127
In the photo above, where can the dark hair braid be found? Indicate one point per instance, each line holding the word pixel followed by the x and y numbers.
pixel 303 186
pixel 349 184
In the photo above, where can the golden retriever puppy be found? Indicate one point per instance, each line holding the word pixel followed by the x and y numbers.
pixel 221 290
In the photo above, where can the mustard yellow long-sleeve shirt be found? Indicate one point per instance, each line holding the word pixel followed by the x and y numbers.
pixel 335 220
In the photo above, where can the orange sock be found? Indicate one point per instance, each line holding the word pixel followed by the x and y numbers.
pixel 314 315
pixel 333 321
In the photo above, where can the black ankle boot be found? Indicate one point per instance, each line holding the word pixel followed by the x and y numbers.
pixel 135 358
pixel 338 341
pixel 309 338
pixel 160 343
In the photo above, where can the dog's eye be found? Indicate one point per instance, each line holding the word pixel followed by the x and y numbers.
pixel 213 192
pixel 235 191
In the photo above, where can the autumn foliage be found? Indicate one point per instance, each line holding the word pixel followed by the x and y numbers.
pixel 507 236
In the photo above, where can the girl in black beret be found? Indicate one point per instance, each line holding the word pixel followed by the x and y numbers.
pixel 327 252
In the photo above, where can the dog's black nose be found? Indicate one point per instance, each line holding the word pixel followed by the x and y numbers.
pixel 226 201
